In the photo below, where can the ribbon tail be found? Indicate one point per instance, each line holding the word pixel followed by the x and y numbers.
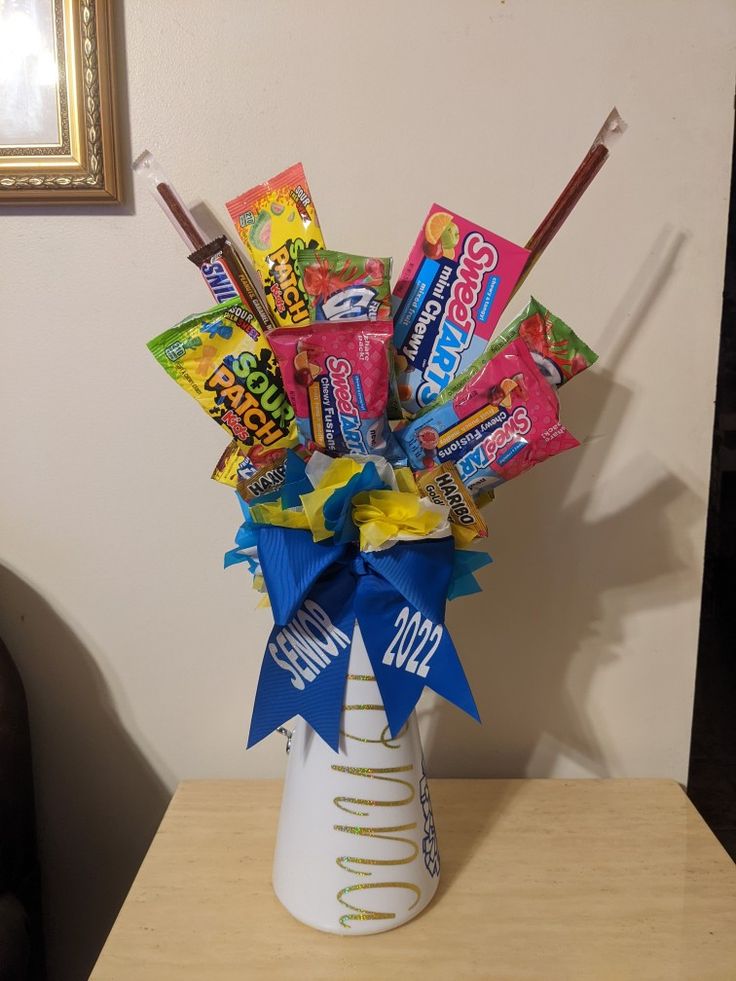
pixel 408 652
pixel 449 679
pixel 305 664
pixel 463 581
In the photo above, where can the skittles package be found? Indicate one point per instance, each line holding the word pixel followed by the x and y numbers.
pixel 343 287
pixel 336 377
pixel 503 421
pixel 275 221
pixel 451 292
pixel 223 360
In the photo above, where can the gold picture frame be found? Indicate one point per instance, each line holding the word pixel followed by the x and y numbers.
pixel 58 140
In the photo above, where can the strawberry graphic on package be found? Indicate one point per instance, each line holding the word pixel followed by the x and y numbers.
pixel 340 286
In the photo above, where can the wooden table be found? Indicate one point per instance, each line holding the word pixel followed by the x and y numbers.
pixel 541 879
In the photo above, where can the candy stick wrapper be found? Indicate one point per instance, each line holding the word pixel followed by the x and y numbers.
pixel 613 128
pixel 168 200
pixel 451 292
pixel 222 269
pixel 223 360
pixel 275 220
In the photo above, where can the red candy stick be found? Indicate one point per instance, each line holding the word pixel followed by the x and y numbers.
pixel 594 159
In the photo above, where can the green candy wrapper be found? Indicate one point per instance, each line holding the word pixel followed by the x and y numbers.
pixel 341 287
pixel 556 348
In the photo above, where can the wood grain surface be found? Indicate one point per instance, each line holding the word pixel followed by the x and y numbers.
pixel 541 879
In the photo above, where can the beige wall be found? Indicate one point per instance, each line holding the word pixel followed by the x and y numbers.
pixel 139 653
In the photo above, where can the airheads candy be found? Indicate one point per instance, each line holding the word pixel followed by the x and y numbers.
pixel 222 358
pixel 503 421
pixel 275 220
pixel 336 377
pixel 340 286
pixel 451 292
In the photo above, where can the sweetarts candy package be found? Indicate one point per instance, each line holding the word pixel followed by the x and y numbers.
pixel 221 358
pixel 453 289
pixel 275 220
pixel 503 421
pixel 341 286
pixel 336 378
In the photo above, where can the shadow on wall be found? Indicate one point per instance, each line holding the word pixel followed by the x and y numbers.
pixel 98 801
pixel 563 580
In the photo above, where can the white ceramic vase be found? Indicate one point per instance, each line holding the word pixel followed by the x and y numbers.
pixel 356 850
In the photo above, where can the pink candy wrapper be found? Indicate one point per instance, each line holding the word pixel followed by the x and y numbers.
pixel 503 421
pixel 451 292
pixel 336 378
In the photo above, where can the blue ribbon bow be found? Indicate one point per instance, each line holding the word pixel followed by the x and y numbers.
pixel 318 591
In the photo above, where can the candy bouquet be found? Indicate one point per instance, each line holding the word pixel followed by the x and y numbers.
pixel 369 427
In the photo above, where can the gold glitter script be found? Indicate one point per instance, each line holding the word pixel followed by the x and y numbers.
pixel 404 792
pixel 366 914
pixel 375 773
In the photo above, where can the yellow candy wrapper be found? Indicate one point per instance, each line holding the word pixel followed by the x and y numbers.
pixel 222 359
pixel 275 221
pixel 442 484
pixel 254 470
pixel 227 467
